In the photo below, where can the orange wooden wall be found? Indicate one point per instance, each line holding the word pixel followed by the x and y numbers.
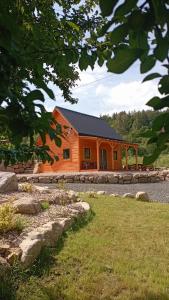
pixel 71 142
pixel 85 143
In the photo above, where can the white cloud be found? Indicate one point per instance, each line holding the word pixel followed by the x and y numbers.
pixel 100 92
pixel 125 96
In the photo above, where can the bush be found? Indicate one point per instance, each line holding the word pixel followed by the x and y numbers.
pixel 9 221
pixel 26 187
pixel 45 205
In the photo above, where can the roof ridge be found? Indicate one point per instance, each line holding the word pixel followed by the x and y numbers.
pixel 77 112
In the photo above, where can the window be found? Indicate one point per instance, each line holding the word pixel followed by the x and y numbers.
pixel 66 153
pixel 115 155
pixel 87 153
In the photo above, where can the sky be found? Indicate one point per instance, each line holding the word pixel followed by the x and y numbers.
pixel 100 92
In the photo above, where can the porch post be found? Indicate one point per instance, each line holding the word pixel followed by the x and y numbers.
pixel 126 150
pixel 98 155
pixel 136 155
pixel 112 147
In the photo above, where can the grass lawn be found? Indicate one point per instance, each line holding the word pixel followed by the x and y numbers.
pixel 162 161
pixel 122 253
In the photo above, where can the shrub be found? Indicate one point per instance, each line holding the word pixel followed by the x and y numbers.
pixel 45 205
pixel 61 184
pixel 10 221
pixel 26 187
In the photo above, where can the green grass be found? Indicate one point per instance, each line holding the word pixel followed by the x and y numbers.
pixel 162 161
pixel 121 254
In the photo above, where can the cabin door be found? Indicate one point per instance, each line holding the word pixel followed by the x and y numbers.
pixel 103 159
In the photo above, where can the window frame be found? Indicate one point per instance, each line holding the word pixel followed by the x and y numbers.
pixel 66 158
pixel 88 148
pixel 115 155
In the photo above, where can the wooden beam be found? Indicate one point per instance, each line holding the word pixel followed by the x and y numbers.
pixel 136 155
pixel 126 149
pixel 98 155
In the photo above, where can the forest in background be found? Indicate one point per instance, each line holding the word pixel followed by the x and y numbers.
pixel 131 126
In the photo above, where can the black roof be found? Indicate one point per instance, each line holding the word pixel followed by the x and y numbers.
pixel 87 125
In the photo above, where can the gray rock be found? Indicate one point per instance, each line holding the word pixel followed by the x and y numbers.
pixel 101 193
pixel 46 235
pixel 127 177
pixel 27 206
pixel 114 195
pixel 4 249
pixel 91 194
pixel 81 206
pixel 143 196
pixel 14 256
pixel 128 195
pixel 8 182
pixel 41 189
pixel 30 251
pixel 44 179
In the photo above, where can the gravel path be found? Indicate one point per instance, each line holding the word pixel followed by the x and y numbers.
pixel 157 191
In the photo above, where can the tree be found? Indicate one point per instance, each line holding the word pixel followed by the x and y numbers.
pixel 46 41
pixel 139 30
pixel 40 42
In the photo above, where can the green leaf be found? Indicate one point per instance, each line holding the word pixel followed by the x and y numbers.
pixel 158 103
pixel 118 34
pixel 107 6
pixel 74 26
pixel 125 8
pixel 138 40
pixel 161 51
pixel 159 121
pixel 58 141
pixel 35 95
pixel 84 60
pixel 151 76
pixel 122 60
pixel 150 159
pixel 164 85
pixel 147 64
pixel 137 20
pixel 42 85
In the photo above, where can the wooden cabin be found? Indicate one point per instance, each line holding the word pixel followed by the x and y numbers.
pixel 89 144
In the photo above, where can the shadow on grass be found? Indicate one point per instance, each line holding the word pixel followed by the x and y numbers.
pixel 10 280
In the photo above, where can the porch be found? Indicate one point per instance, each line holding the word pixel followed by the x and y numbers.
pixel 98 154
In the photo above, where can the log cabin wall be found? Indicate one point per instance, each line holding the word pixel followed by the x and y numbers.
pixel 71 141
pixel 91 144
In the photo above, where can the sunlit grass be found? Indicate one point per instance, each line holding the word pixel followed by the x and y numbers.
pixel 123 253
pixel 162 161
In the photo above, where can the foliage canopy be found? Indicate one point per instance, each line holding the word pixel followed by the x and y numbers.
pixel 139 30
pixel 47 41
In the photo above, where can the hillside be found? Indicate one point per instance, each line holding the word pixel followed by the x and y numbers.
pixel 131 125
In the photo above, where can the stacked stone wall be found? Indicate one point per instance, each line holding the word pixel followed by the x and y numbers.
pixel 107 178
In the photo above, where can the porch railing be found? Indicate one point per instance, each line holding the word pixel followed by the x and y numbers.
pixel 86 165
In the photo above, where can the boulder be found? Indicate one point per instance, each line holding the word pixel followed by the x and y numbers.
pixel 128 195
pixel 65 223
pixel 3 265
pixel 8 182
pixel 91 194
pixel 41 189
pixel 46 235
pixel 143 196
pixel 72 196
pixel 114 195
pixel 81 206
pixel 4 249
pixel 30 251
pixel 27 206
pixel 101 193
pixel 14 256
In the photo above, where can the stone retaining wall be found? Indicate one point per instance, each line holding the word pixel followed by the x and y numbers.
pixel 110 178
pixel 19 168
